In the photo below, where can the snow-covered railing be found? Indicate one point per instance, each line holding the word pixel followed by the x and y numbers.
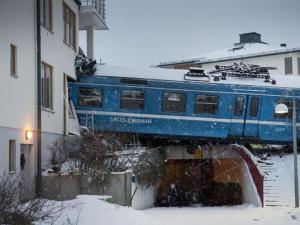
pixel 99 6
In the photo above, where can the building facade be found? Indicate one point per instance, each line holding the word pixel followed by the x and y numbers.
pixel 251 49
pixel 60 24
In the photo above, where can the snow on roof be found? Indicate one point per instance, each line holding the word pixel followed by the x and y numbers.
pixel 283 81
pixel 239 51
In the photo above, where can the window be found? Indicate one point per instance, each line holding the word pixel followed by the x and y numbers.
pixel 69 27
pixel 288 64
pixel 91 97
pixel 254 105
pixel 206 104
pixel 239 106
pixel 132 99
pixel 174 102
pixel 298 62
pixel 46 14
pixel 12 155
pixel 47 86
pixel 13 60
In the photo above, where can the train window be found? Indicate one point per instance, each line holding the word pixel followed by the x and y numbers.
pixel 90 97
pixel 239 106
pixel 132 99
pixel 133 81
pixel 174 102
pixel 254 105
pixel 206 104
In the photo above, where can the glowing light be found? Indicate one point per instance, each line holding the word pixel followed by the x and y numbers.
pixel 28 135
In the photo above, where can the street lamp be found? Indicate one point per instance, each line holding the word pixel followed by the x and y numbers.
pixel 282 109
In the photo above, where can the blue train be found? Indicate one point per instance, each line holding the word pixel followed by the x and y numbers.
pixel 180 104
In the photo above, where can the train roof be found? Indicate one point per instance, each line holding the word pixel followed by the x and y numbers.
pixel 282 81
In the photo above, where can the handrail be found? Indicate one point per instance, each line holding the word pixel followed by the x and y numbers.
pixel 99 6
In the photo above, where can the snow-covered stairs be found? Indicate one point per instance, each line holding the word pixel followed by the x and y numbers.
pixel 278 184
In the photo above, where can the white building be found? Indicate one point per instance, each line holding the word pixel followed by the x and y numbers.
pixel 60 24
pixel 251 50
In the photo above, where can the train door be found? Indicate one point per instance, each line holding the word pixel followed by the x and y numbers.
pixel 239 114
pixel 252 116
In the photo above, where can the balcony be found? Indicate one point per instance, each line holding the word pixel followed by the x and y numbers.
pixel 92 14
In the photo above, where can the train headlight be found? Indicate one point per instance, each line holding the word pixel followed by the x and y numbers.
pixel 281 109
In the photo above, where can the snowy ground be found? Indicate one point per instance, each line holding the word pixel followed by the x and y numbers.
pixel 92 210
pixel 89 210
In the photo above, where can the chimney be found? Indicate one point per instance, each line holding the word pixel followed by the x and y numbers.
pixel 283 45
pixel 252 37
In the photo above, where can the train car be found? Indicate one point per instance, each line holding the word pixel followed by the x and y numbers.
pixel 165 103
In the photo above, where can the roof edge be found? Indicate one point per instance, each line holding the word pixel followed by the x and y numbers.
pixel 201 60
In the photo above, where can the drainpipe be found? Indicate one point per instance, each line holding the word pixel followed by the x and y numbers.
pixel 39 99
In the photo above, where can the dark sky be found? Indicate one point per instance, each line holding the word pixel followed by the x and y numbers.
pixel 144 33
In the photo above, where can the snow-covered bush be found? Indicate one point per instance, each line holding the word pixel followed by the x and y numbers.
pixel 92 154
pixel 13 212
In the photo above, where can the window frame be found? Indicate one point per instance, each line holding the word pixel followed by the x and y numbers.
pixel 167 110
pixel 13 60
pixel 69 26
pixel 101 96
pixel 206 103
pixel 44 14
pixel 12 156
pixel 288 61
pixel 235 106
pixel 256 111
pixel 298 65
pixel 124 105
pixel 50 94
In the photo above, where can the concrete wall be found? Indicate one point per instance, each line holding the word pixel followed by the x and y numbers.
pixel 64 187
pixel 143 198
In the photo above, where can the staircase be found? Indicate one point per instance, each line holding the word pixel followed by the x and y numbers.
pixel 278 184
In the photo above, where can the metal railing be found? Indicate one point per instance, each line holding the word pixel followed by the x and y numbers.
pixel 99 5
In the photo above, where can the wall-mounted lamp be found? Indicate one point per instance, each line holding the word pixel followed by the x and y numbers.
pixel 28 135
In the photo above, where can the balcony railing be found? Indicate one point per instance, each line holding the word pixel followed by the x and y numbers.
pixel 99 6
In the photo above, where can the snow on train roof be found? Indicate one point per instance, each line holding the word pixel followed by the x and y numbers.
pixel 290 81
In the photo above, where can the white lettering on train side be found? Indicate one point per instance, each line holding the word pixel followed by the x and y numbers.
pixel 130 120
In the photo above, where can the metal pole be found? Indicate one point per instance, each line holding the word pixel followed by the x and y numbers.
pixel 295 153
pixel 39 99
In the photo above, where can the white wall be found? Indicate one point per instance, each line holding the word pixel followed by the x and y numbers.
pixel 61 57
pixel 17 94
pixel 272 60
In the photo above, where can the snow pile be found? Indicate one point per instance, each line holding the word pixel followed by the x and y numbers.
pixel 92 210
